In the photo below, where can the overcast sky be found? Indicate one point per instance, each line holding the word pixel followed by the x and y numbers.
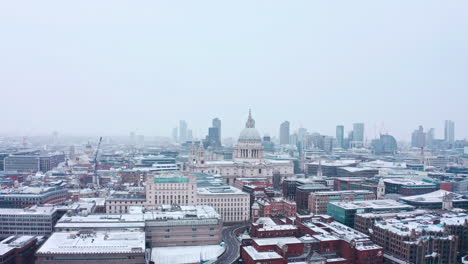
pixel 111 67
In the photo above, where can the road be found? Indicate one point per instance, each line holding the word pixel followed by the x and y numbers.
pixel 232 245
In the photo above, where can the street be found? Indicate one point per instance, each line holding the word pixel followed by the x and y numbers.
pixel 232 245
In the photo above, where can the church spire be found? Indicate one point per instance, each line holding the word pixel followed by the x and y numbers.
pixel 250 121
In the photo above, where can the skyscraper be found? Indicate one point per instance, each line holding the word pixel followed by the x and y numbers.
pixel 449 132
pixel 430 136
pixel 340 136
pixel 418 138
pixel 175 134
pixel 284 133
pixel 358 132
pixel 217 123
pixel 182 131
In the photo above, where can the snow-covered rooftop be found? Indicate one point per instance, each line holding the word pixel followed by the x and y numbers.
pixel 255 255
pixel 95 243
pixel 433 197
pixel 374 204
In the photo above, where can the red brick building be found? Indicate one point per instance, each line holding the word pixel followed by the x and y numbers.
pixel 265 228
pixel 273 207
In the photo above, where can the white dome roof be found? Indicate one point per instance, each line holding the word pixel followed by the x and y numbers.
pixel 250 134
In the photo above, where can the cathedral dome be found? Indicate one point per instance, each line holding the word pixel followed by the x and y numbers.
pixel 250 134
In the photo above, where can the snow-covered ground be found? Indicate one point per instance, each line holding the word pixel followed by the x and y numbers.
pixel 188 254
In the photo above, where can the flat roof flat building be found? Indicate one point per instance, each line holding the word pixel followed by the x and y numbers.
pixel 36 221
pixel 93 247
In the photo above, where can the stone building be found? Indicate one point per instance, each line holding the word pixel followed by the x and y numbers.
pixel 248 159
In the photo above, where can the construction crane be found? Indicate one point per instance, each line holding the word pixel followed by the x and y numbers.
pixel 95 176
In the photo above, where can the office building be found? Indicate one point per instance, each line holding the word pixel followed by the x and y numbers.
pixel 435 200
pixel 358 132
pixel 231 203
pixel 418 138
pixel 22 163
pixel 449 132
pixel 430 137
pixel 340 136
pixel 318 201
pixel 284 133
pixel 23 197
pixel 407 187
pixel 273 207
pixel 18 249
pixel 93 247
pixel 428 238
pixel 34 221
pixel 169 225
pixel 385 145
pixel 345 211
pixel 170 188
pixel 33 162
pixel 303 192
pixel 183 226
pixel 182 131
pixel 217 124
pixel 175 134
pixel 120 203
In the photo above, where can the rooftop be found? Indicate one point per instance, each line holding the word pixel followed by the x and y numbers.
pixel 255 255
pixel 407 182
pixel 221 190
pixel 276 240
pixel 433 197
pixel 373 204
pixel 94 243
pixel 35 210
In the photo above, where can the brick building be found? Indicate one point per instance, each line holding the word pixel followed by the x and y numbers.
pixel 318 201
pixel 273 207
pixel 426 238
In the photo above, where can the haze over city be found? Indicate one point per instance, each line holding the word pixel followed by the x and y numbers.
pixel 111 67
pixel 234 132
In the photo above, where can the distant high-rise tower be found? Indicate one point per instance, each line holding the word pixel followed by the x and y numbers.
pixel 189 135
pixel 418 138
pixel 182 131
pixel 175 134
pixel 358 132
pixel 340 136
pixel 217 123
pixel 284 133
pixel 430 136
pixel 449 132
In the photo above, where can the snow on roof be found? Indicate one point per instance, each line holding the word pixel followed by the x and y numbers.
pixel 277 227
pixel 356 169
pixel 221 190
pixel 383 164
pixel 419 223
pixel 433 197
pixel 338 163
pixel 255 255
pixel 95 243
pixel 191 254
pixel 276 240
pixel 407 181
pixel 35 210
pixel 374 204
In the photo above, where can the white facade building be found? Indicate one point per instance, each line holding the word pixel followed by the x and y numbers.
pixel 168 189
pixel 231 203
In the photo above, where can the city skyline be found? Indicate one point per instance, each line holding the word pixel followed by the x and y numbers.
pixel 89 74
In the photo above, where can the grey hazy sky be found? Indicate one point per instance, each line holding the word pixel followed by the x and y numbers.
pixel 111 67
